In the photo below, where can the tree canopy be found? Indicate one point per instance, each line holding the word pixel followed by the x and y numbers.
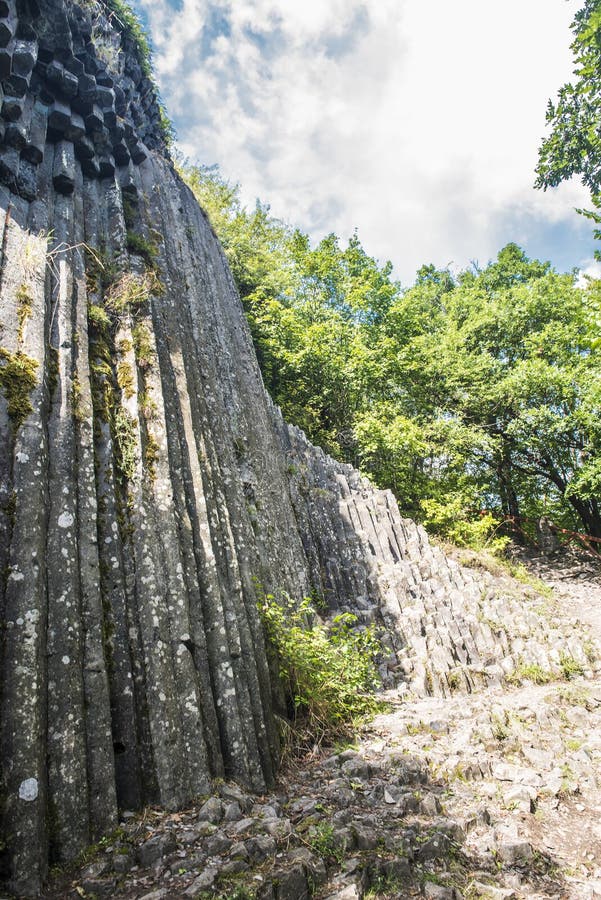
pixel 475 397
pixel 573 146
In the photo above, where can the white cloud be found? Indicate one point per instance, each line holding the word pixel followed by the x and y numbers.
pixel 418 123
pixel 591 268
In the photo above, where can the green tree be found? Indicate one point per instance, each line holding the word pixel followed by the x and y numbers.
pixel 504 378
pixel 479 391
pixel 573 146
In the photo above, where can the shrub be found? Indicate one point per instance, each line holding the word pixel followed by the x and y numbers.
pixel 325 843
pixel 529 672
pixel 328 672
pixel 452 519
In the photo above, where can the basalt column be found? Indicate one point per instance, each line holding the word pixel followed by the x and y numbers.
pixel 132 658
pixel 149 490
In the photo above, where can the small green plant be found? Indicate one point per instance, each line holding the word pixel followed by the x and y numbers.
pixel 131 290
pixel 130 211
pixel 530 672
pixel 500 728
pixel 324 843
pixel 124 430
pixel 453 681
pixel 17 380
pixel 141 246
pixel 590 651
pixel 570 667
pixel 385 887
pixel 328 672
pixel 575 696
pixel 101 269
pixel 234 892
pixel 90 853
pixel 520 573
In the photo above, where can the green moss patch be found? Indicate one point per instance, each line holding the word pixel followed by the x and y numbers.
pixel 17 380
pixel 98 318
pixel 141 246
pixel 151 455
pixel 143 345
pixel 24 309
pixel 125 436
pixel 125 379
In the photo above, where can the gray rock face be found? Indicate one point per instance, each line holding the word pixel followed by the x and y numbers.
pixel 147 483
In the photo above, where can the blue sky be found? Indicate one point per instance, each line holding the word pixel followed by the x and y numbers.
pixel 416 123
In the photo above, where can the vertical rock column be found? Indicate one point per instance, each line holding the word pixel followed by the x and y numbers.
pixel 23 480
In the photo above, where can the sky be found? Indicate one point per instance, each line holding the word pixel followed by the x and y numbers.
pixel 416 123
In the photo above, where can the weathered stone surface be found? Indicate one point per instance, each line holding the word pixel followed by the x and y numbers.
pixel 6 32
pixel 12 108
pixel 59 117
pixel 63 171
pixel 155 849
pixel 291 884
pixel 36 134
pixel 15 135
pixel 133 662
pixel 25 54
pixel 211 811
pixel 9 166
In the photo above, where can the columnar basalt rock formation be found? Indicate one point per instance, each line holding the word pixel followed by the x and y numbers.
pixel 147 483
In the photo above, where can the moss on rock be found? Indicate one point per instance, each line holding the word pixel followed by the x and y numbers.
pixel 17 379
pixel 24 309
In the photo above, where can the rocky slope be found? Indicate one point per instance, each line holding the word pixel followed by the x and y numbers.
pixel 148 485
pixel 493 795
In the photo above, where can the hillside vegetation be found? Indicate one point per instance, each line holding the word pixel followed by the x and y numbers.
pixel 474 396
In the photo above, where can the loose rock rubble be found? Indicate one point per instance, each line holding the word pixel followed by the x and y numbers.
pixel 493 795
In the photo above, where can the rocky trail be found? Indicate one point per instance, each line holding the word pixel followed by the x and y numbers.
pixel 493 794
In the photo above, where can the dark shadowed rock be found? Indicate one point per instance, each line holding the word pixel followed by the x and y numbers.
pixel 155 849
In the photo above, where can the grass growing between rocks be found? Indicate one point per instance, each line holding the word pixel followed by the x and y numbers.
pixel 325 844
pixel 498 565
pixel 529 672
pixel 328 671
